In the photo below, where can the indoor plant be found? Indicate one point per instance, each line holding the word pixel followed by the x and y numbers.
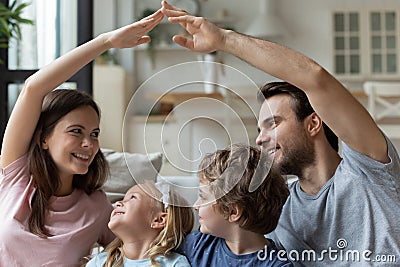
pixel 10 22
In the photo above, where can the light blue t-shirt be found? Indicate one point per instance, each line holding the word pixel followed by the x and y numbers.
pixel 203 250
pixel 173 260
pixel 354 220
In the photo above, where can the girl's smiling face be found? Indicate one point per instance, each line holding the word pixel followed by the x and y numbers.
pixel 133 215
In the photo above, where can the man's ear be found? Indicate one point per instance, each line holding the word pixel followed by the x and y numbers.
pixel 159 221
pixel 313 124
pixel 235 213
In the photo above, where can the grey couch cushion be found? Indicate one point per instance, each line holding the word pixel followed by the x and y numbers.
pixel 128 169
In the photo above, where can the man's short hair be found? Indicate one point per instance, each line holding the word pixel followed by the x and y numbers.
pixel 299 103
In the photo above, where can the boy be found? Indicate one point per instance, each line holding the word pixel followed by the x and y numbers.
pixel 234 219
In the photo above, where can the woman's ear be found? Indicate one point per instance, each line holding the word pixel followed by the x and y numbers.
pixel 44 144
pixel 313 124
pixel 159 221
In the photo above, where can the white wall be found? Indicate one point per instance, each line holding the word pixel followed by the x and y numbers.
pixel 308 22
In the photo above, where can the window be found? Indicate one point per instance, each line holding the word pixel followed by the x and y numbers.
pixel 54 34
pixel 347 43
pixel 17 67
pixel 383 35
pixel 366 43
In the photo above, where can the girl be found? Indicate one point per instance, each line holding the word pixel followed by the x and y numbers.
pixel 148 229
pixel 51 169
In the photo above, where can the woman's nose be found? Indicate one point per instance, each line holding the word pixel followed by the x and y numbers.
pixel 87 142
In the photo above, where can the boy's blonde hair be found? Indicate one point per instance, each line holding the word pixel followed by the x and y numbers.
pixel 180 222
pixel 229 173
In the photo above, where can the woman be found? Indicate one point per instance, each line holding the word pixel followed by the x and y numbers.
pixel 52 210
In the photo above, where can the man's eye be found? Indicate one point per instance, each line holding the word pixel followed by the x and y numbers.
pixel 272 124
pixel 96 134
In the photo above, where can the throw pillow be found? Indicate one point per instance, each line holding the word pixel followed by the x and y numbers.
pixel 128 169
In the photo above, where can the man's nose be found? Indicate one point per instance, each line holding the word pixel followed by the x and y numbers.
pixel 263 138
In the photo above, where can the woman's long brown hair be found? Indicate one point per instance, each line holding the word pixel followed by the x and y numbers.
pixel 41 166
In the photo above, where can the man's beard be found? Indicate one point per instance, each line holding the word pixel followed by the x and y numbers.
pixel 295 160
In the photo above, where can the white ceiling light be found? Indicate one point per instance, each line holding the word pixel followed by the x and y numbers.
pixel 266 23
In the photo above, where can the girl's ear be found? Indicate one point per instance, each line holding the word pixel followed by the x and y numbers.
pixel 235 213
pixel 313 124
pixel 159 221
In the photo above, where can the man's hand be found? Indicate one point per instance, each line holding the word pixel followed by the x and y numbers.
pixel 206 37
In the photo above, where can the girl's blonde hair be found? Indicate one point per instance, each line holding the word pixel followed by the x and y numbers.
pixel 179 223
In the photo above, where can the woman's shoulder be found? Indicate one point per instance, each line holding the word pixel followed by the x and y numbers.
pixel 18 164
pixel 15 172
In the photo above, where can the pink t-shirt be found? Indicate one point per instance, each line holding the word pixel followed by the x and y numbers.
pixel 76 221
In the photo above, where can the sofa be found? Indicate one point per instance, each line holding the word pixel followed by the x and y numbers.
pixel 128 169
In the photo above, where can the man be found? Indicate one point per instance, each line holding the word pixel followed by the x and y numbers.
pixel 342 211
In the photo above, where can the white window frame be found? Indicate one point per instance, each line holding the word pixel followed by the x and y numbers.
pixel 366 46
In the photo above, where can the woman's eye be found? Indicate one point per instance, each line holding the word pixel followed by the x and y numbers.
pixel 76 131
pixel 95 134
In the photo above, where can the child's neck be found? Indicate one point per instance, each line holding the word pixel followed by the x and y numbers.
pixel 245 242
pixel 136 250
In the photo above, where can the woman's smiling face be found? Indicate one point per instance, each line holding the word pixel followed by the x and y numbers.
pixel 74 142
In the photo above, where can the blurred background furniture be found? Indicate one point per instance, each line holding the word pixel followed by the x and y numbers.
pixel 109 91
pixel 384 106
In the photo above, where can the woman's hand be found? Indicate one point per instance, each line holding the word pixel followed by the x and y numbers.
pixel 133 34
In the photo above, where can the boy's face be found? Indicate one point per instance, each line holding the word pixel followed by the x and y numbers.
pixel 210 218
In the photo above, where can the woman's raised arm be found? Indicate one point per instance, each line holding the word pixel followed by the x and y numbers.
pixel 26 112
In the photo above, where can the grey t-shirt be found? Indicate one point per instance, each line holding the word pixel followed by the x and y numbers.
pixel 353 221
